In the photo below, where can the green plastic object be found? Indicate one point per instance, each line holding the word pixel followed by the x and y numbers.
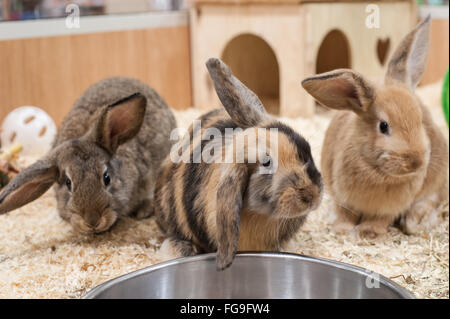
pixel 445 97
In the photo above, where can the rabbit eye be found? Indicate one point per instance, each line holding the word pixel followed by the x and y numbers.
pixel 267 161
pixel 384 127
pixel 69 184
pixel 106 179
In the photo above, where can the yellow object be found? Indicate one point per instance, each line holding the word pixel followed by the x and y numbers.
pixel 14 149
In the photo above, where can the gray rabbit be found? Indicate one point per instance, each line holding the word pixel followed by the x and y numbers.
pixel 105 157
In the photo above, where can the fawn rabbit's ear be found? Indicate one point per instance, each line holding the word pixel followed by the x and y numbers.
pixel 230 193
pixel 28 185
pixel 409 60
pixel 341 89
pixel 243 106
pixel 119 122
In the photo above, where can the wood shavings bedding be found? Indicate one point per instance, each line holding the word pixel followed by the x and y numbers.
pixel 42 257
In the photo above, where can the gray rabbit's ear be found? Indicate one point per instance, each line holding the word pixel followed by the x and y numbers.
pixel 28 185
pixel 243 106
pixel 409 60
pixel 230 193
pixel 341 89
pixel 119 122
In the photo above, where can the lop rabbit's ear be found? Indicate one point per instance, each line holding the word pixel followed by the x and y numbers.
pixel 243 106
pixel 341 89
pixel 119 122
pixel 230 193
pixel 408 62
pixel 28 185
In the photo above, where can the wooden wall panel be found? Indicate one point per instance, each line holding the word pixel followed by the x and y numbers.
pixel 276 2
pixel 438 57
pixel 52 72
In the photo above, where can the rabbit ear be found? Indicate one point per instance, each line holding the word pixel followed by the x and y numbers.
pixel 244 107
pixel 341 90
pixel 231 188
pixel 28 185
pixel 408 63
pixel 119 122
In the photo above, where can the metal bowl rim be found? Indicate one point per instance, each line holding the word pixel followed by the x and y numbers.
pixel 183 260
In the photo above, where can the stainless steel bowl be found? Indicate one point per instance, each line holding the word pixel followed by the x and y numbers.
pixel 252 275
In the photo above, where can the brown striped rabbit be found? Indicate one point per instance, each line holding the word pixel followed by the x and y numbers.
pixel 228 205
pixel 104 159
pixel 383 159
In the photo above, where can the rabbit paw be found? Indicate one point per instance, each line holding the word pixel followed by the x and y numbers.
pixel 370 230
pixel 420 218
pixel 346 219
pixel 340 227
pixel 174 248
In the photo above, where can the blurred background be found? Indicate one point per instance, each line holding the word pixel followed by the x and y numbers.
pixel 42 9
pixel 271 45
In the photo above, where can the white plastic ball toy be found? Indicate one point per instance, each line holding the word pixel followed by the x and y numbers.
pixel 30 126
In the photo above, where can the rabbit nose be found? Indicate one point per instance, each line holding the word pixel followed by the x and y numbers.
pixel 91 221
pixel 306 196
pixel 415 162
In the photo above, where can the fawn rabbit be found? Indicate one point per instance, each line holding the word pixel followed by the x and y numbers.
pixel 383 159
